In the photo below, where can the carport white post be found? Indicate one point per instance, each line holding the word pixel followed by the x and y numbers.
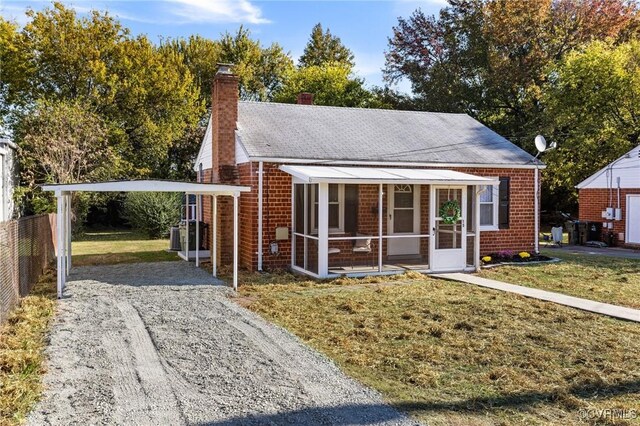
pixel 63 239
pixel 235 240
pixel 197 230
pixel 186 216
pixel 214 234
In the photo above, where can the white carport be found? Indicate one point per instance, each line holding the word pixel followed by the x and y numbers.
pixel 63 194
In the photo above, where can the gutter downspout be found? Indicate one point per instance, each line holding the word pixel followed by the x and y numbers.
pixel 260 172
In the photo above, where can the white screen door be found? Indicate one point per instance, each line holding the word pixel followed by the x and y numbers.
pixel 404 219
pixel 448 241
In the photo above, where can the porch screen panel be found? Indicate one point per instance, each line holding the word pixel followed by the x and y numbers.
pixel 299 208
pixel 351 208
pixel 403 208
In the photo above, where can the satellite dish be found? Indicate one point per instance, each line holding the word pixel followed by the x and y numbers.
pixel 541 143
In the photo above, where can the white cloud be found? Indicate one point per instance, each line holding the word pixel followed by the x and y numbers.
pixel 14 13
pixel 161 12
pixel 235 11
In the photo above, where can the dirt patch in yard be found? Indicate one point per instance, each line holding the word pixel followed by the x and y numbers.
pixel 128 351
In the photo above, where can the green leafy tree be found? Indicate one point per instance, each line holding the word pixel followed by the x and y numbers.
pixel 261 69
pixel 324 48
pixel 63 142
pixel 331 84
pixel 489 58
pixel 593 105
pixel 145 95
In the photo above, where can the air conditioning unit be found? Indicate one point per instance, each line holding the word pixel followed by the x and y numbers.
pixel 174 239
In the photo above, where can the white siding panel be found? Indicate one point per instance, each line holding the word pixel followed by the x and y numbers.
pixel 627 169
pixel 206 149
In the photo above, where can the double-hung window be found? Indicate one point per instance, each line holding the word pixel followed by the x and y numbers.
pixel 494 206
pixel 336 208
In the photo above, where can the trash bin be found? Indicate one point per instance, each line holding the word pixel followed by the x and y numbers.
pixel 594 231
pixel 192 234
pixel 572 230
pixel 583 232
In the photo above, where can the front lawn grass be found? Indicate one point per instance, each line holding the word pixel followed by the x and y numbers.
pixel 22 345
pixel 452 354
pixel 107 247
pixel 600 278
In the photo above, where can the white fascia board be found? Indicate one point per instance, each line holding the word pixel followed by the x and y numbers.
pixel 540 166
pixel 147 186
pixel 299 176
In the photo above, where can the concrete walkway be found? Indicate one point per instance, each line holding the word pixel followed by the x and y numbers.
pixel 562 299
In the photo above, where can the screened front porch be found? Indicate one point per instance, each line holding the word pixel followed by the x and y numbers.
pixel 366 221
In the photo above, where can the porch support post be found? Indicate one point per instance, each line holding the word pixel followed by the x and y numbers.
pixel 306 227
pixel 214 235
pixel 380 192
pixel 186 215
pixel 235 241
pixel 60 238
pixel 69 233
pixel 293 225
pixel 197 230
pixel 476 228
pixel 323 229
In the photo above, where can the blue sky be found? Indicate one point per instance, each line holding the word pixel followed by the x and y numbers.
pixel 363 26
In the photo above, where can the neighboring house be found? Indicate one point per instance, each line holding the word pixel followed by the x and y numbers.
pixel 7 178
pixel 612 196
pixel 334 185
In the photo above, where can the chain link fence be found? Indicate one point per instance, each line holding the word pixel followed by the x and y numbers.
pixel 26 250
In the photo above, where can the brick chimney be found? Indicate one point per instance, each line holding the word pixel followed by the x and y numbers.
pixel 305 98
pixel 224 115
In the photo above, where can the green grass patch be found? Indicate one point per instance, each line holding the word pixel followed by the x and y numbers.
pixel 600 278
pixel 107 247
pixel 452 354
pixel 22 345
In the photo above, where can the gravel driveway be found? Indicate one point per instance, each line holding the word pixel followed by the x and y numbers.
pixel 156 343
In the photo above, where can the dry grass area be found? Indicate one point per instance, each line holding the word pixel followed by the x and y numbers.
pixel 22 344
pixel 452 354
pixel 109 247
pixel 604 279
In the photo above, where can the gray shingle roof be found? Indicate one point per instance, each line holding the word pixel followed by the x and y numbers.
pixel 272 130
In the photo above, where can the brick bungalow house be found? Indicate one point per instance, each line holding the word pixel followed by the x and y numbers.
pixel 363 191
pixel 612 196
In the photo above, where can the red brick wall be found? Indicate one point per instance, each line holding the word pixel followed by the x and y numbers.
pixel 277 213
pixel 593 201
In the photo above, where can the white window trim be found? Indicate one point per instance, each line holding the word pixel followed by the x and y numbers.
pixel 495 202
pixel 314 223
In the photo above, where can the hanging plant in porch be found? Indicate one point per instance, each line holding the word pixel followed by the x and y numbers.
pixel 450 212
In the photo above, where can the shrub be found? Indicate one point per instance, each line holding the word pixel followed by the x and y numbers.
pixel 153 212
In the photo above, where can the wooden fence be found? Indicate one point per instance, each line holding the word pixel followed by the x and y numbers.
pixel 26 250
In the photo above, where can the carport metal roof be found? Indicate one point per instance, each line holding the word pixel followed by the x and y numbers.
pixel 148 185
pixel 63 222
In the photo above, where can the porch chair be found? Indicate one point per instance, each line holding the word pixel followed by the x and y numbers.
pixel 361 247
